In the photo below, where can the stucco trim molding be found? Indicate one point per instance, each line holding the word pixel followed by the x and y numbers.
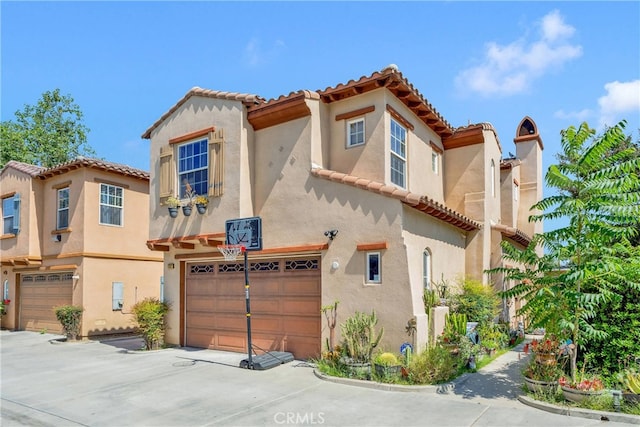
pixel 372 246
pixel 278 251
pixel 396 115
pixel 416 201
pixel 192 135
pixel 355 113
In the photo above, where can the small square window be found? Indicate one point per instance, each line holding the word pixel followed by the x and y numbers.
pixel 355 132
pixel 373 268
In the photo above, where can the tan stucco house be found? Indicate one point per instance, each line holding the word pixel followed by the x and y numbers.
pixel 366 195
pixel 75 234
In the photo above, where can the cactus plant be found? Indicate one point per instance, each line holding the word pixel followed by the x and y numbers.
pixel 360 337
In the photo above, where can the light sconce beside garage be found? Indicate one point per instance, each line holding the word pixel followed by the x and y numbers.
pixel 171 266
pixel 331 234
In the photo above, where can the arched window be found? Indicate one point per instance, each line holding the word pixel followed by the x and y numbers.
pixel 426 268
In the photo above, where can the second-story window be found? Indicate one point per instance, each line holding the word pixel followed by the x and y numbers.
pixel 435 162
pixel 355 132
pixel 111 204
pixel 193 161
pixel 8 215
pixel 62 220
pixel 398 154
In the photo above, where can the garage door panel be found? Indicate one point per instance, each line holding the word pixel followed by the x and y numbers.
pixel 229 305
pixel 259 306
pixel 285 306
pixel 303 327
pixel 265 323
pixel 231 342
pixel 38 300
pixel 228 322
pixel 200 320
pixel 300 306
pixel 203 303
pixel 302 286
pixel 266 288
pixel 200 338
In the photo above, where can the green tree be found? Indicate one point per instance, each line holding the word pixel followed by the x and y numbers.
pixel 586 264
pixel 46 134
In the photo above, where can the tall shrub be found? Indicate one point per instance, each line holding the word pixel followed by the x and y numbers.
pixel 479 302
pixel 585 264
pixel 150 316
pixel 70 317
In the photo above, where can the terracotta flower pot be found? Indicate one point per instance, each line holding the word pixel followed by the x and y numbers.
pixel 540 386
pixel 578 396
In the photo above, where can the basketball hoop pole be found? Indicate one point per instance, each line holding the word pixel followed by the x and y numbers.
pixel 246 296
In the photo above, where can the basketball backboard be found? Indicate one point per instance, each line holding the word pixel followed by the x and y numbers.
pixel 246 232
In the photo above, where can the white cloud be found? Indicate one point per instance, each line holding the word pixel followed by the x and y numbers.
pixel 510 69
pixel 553 27
pixel 578 116
pixel 621 98
pixel 255 54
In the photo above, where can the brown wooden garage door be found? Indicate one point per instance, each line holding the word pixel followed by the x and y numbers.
pixel 285 306
pixel 39 293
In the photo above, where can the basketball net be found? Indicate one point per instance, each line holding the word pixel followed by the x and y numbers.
pixel 231 252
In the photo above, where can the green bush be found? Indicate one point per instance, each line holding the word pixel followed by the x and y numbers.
pixel 432 366
pixel 478 301
pixel 70 317
pixel 149 314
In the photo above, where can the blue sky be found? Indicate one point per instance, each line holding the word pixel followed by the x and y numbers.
pixel 126 63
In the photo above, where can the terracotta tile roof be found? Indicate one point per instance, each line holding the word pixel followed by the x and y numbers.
pixel 274 111
pixel 469 135
pixel 245 98
pixel 88 162
pixel 392 79
pixel 421 203
pixel 513 233
pixel 31 170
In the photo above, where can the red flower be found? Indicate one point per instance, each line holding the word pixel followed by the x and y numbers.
pixel 6 301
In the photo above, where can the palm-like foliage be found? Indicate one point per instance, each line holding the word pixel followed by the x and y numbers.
pixel 586 262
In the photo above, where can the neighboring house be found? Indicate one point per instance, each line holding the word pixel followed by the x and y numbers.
pixel 411 201
pixel 75 234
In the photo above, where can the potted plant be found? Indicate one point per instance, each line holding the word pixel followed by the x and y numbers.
pixel 540 376
pixel 584 387
pixel 172 204
pixel 201 203
pixel 546 351
pixel 360 339
pixel 630 381
pixel 387 364
pixel 455 328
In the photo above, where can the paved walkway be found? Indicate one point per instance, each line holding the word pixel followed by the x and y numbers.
pixel 108 384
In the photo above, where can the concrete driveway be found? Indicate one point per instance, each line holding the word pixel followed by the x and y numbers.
pixel 105 384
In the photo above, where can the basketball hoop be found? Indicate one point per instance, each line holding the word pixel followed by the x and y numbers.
pixel 231 252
